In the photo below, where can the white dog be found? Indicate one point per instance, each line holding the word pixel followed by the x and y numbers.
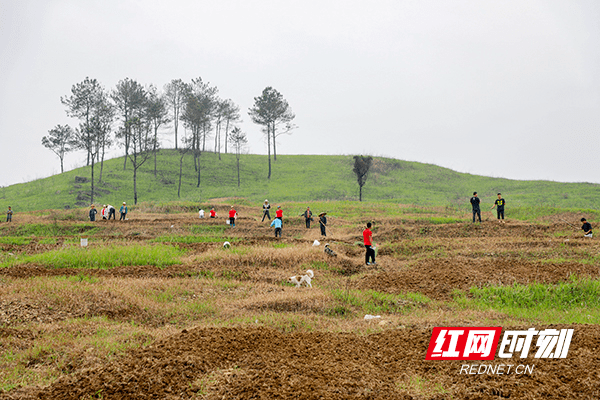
pixel 298 280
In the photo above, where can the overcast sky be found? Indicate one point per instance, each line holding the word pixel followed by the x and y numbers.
pixel 498 88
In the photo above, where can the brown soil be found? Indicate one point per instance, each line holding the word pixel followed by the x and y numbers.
pixel 438 278
pixel 248 363
pixel 262 363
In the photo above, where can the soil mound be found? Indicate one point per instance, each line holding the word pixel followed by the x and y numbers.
pixel 438 278
pixel 250 363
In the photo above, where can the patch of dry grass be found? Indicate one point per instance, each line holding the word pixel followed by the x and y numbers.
pixel 420 387
pixel 52 326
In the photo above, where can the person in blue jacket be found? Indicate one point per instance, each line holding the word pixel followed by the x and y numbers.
pixel 277 224
pixel 123 211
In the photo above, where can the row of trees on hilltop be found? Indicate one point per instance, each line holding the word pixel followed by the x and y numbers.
pixel 132 116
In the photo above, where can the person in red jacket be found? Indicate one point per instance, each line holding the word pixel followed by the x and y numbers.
pixel 279 213
pixel 232 216
pixel 368 240
pixel 212 213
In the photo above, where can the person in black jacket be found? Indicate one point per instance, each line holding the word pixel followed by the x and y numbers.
pixel 587 228
pixel 323 223
pixel 500 210
pixel 475 204
pixel 266 208
pixel 93 213
pixel 307 217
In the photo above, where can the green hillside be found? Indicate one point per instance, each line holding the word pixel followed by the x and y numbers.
pixel 294 178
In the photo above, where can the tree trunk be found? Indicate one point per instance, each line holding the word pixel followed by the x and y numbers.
pixel 180 172
pixel 101 164
pixel 92 193
pixel 274 144
pixel 155 163
pixel 226 132
pixel 175 123
pixel 134 185
pixel 238 169
pixel 195 146
pixel 126 150
pixel 219 142
pixel 61 165
pixel 135 168
pixel 359 193
pixel 269 151
pixel 154 150
pixel 198 183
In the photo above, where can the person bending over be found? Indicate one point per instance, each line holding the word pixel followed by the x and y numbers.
pixel 587 228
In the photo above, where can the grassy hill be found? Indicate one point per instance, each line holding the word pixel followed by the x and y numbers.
pixel 295 178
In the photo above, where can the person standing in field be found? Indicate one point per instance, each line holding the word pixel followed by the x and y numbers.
pixel 93 213
pixel 368 241
pixel 104 212
pixel 587 228
pixel 323 223
pixel 266 208
pixel 232 217
pixel 9 214
pixel 500 210
pixel 111 212
pixel 279 213
pixel 475 204
pixel 123 211
pixel 277 224
pixel 307 217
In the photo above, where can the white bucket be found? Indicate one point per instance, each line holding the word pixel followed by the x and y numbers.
pixel 227 221
pixel 83 242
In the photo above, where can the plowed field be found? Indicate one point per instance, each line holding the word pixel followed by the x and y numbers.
pixel 224 324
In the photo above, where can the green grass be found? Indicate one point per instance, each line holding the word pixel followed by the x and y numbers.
pixel 306 179
pixel 318 265
pixel 53 229
pixel 14 240
pixel 422 387
pixel 102 257
pixel 280 245
pixel 217 230
pixel 374 302
pixel 574 301
pixel 200 234
pixel 192 239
